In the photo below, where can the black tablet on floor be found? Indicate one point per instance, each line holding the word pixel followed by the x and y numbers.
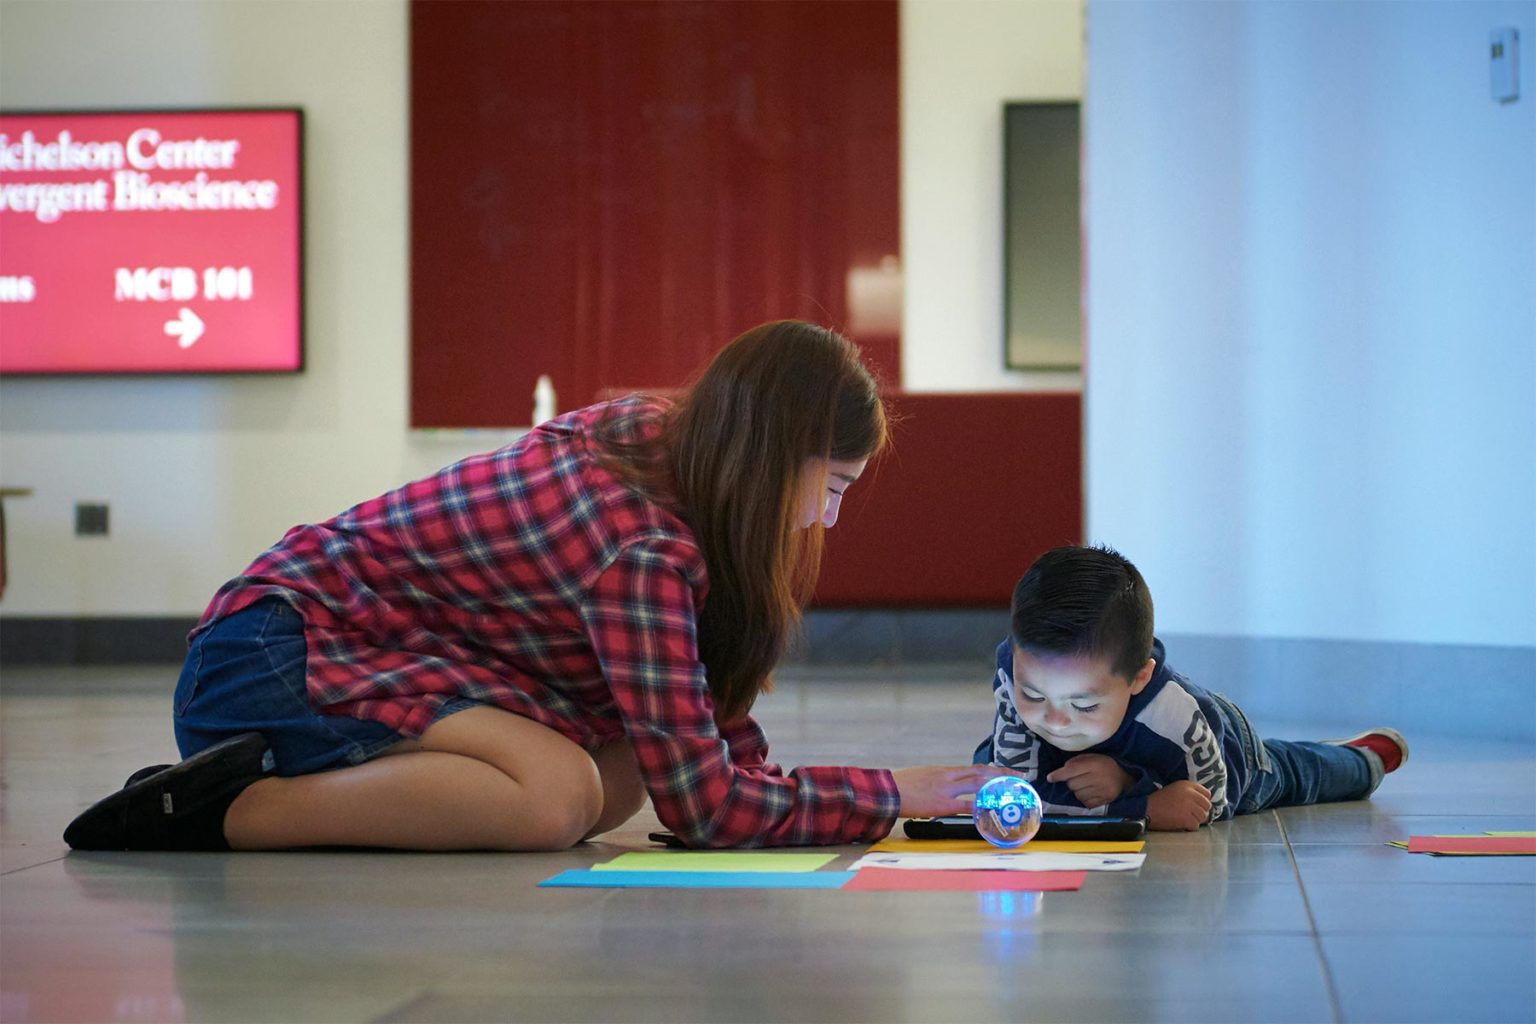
pixel 962 826
pixel 1052 826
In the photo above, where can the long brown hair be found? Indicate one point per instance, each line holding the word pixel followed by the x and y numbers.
pixel 732 453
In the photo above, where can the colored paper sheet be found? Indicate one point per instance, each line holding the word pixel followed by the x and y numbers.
pixel 982 846
pixel 698 879
pixel 1001 861
pixel 1471 835
pixel 896 880
pixel 716 860
pixel 1402 844
pixel 1464 845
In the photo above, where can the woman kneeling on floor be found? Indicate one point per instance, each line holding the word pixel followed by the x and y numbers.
pixel 513 653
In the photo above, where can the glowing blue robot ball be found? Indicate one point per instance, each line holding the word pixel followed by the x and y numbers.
pixel 1007 811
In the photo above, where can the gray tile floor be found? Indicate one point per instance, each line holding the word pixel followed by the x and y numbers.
pixel 1301 915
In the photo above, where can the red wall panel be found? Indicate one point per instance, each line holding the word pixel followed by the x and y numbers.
pixel 607 192
pixel 974 488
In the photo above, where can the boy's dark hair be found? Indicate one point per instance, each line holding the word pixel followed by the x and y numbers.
pixel 1083 601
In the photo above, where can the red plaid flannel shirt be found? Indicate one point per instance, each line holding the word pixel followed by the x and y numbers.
pixel 532 579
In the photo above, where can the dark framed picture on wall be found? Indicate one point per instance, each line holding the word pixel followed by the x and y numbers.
pixel 1042 236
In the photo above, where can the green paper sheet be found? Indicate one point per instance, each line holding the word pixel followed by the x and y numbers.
pixel 715 860
pixel 706 879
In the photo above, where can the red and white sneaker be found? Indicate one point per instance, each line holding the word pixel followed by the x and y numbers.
pixel 1387 744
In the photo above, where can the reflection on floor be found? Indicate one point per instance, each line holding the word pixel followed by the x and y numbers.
pixel 1300 915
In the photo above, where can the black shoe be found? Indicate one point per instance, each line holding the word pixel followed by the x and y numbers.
pixel 144 773
pixel 179 808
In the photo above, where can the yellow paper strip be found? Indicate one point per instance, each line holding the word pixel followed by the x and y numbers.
pixel 715 860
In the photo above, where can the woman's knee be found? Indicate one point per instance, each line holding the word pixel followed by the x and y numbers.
pixel 550 825
pixel 553 807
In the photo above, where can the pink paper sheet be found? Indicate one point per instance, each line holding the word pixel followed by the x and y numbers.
pixel 903 879
pixel 1471 844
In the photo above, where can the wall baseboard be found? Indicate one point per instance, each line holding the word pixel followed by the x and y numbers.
pixel 831 636
pixel 842 636
pixel 93 641
pixel 1450 689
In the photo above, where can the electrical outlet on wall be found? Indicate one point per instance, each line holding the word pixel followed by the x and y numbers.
pixel 90 519
pixel 1504 64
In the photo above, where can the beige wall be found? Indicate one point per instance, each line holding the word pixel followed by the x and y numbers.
pixel 961 60
pixel 201 474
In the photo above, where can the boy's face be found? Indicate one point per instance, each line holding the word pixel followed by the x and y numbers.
pixel 1070 702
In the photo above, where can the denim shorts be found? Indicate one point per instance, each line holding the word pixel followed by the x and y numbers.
pixel 245 673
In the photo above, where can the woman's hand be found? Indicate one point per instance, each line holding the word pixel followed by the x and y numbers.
pixel 1180 806
pixel 1095 779
pixel 936 790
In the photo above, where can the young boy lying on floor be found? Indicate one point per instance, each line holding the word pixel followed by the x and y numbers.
pixel 1089 710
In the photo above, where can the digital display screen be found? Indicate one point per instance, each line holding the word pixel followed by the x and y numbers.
pixel 151 242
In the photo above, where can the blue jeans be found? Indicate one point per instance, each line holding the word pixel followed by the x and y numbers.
pixel 1292 773
pixel 1303 772
pixel 245 673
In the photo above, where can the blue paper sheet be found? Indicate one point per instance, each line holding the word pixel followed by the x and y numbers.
pixel 700 879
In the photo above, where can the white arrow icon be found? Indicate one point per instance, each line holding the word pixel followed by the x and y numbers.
pixel 189 326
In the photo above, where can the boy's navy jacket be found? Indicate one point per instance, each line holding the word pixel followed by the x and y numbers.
pixel 1172 730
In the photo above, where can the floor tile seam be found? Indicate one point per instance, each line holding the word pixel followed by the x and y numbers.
pixel 1396 932
pixel 1330 984
pixel 399 1011
pixel 1225 932
pixel 41 864
pixel 1418 882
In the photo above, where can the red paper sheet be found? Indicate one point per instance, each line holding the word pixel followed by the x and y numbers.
pixel 909 880
pixel 1472 844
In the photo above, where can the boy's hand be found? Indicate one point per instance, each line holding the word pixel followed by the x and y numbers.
pixel 936 790
pixel 1095 779
pixel 1180 806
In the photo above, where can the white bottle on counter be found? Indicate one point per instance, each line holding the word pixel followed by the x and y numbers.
pixel 543 399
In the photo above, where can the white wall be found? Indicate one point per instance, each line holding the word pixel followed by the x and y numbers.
pixel 1311 377
pixel 961 60
pixel 202 474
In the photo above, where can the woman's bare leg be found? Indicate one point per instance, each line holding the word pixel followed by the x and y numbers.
pixel 623 792
pixel 480 779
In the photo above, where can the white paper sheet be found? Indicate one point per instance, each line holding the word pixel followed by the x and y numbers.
pixel 1003 861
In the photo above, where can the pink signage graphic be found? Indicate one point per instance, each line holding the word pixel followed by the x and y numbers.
pixel 151 242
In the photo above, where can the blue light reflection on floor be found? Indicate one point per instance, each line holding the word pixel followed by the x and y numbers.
pixel 1009 930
